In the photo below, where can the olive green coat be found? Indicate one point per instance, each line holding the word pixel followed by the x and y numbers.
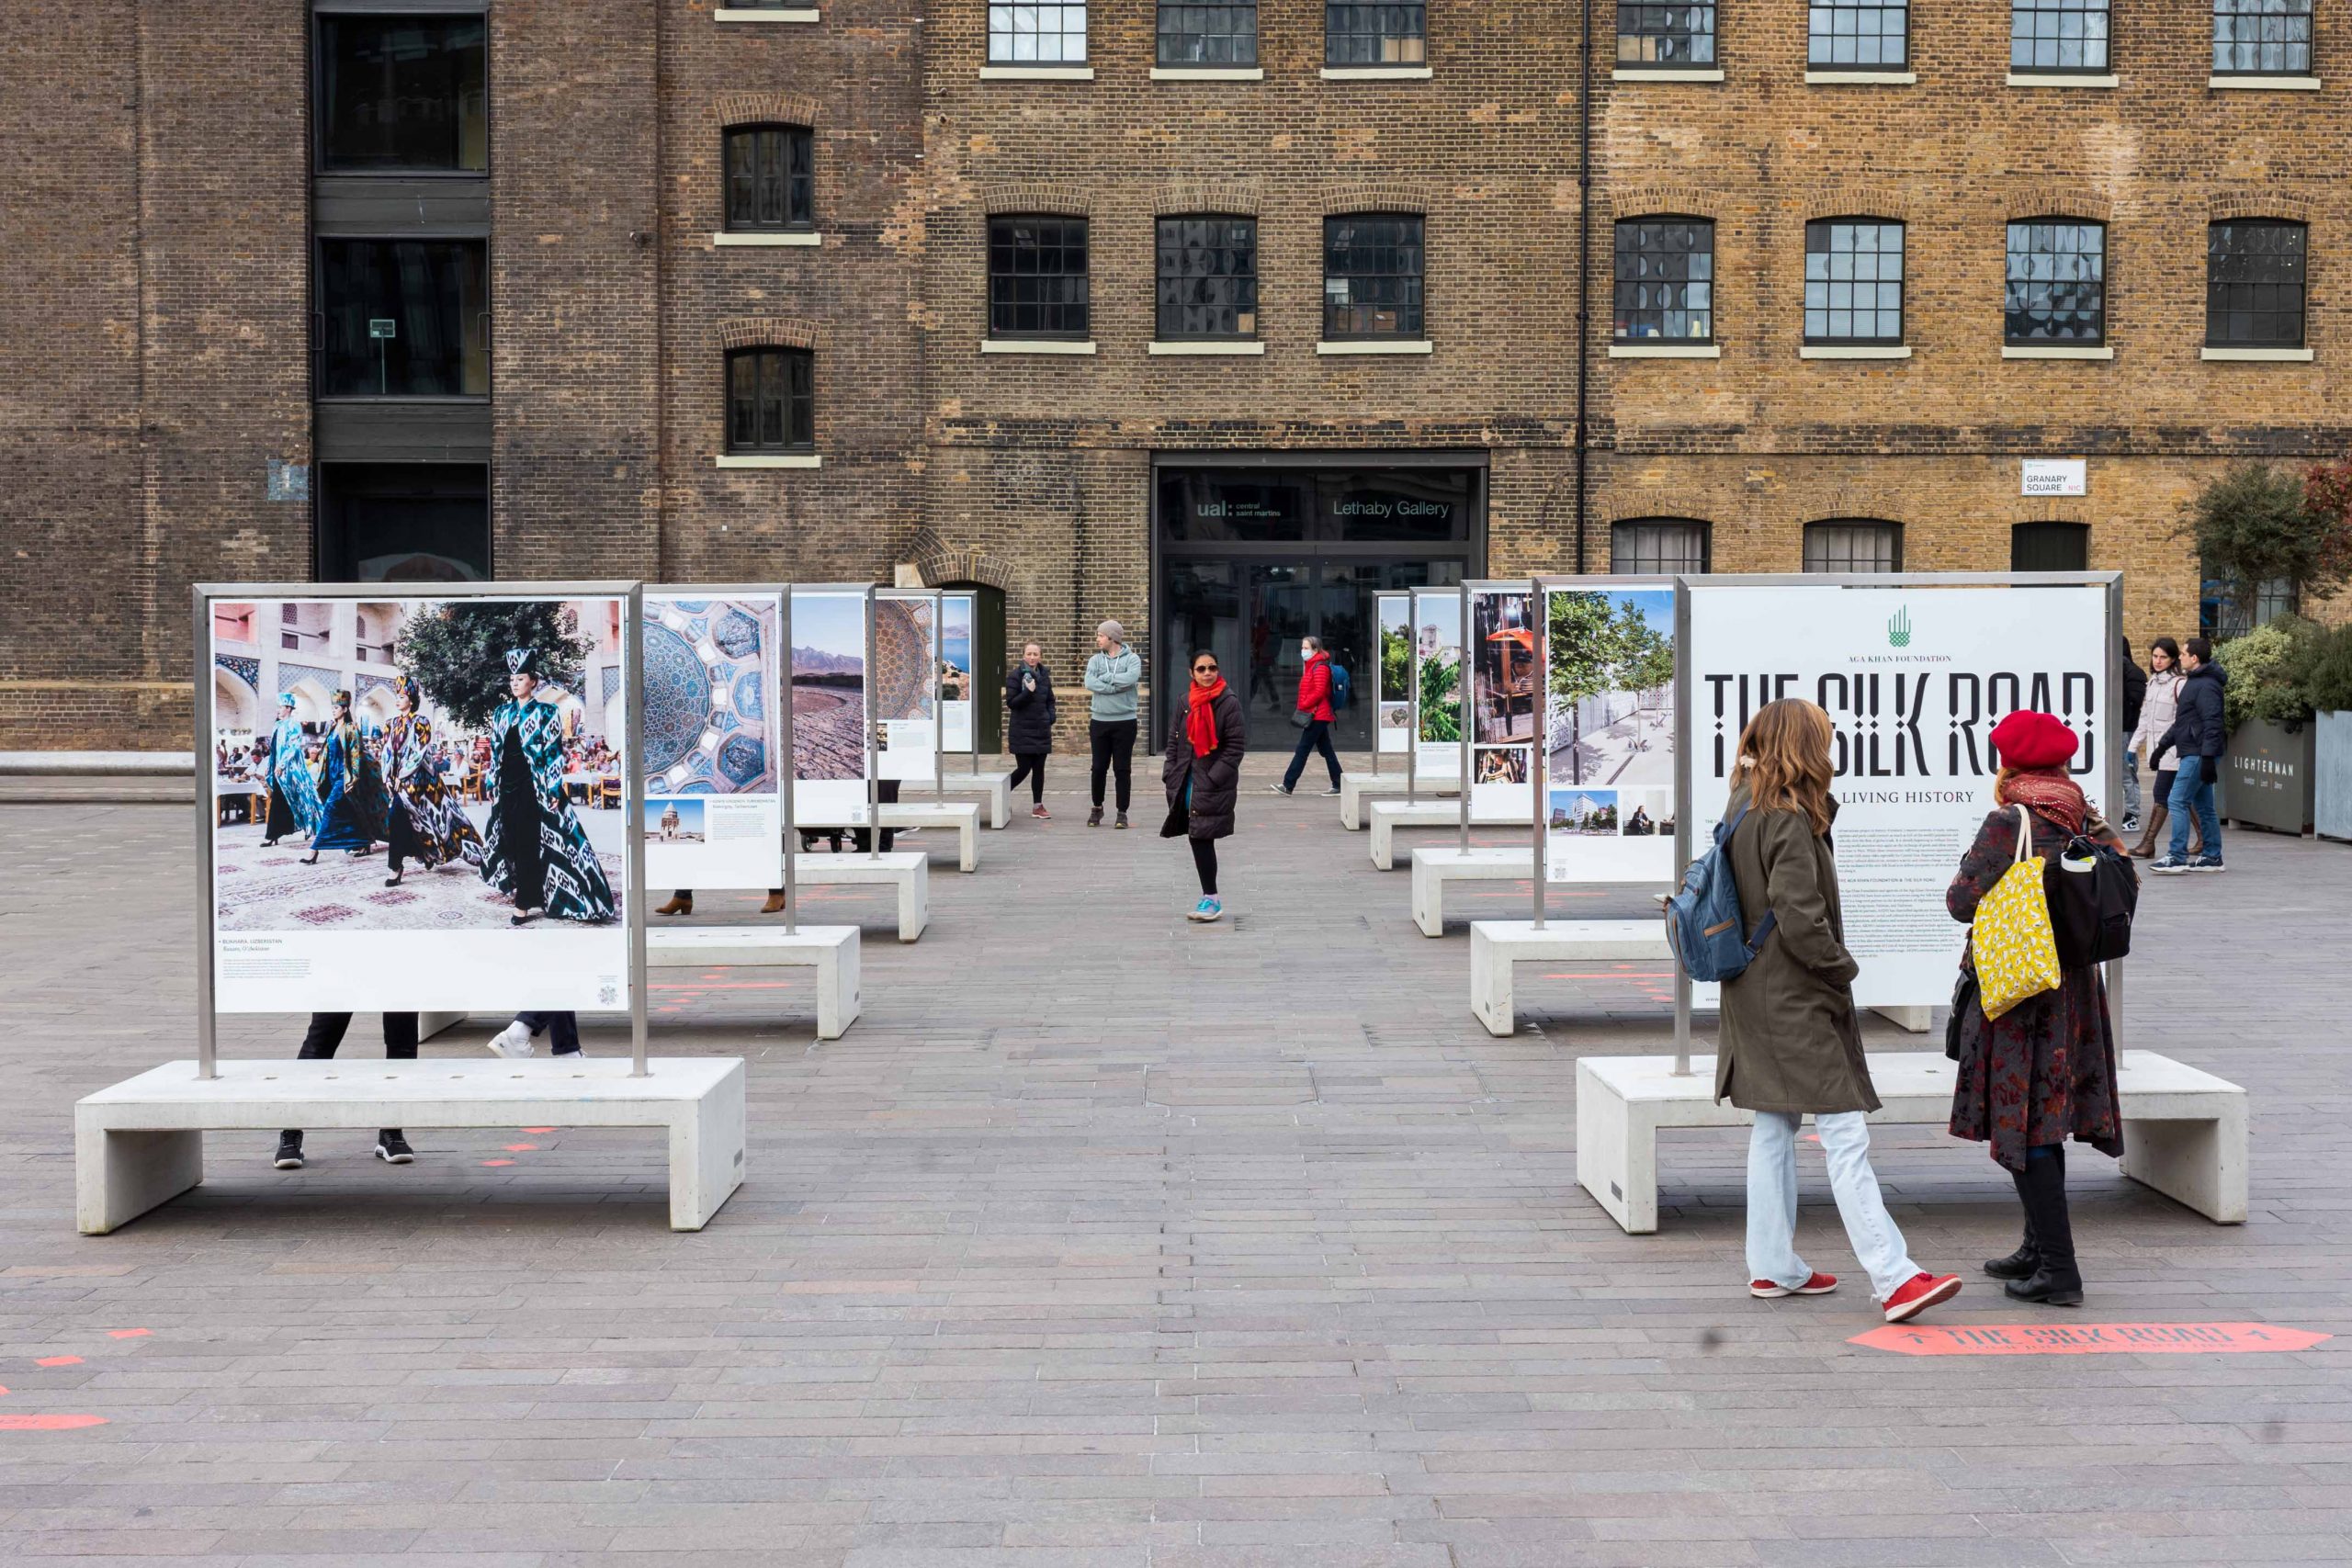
pixel 1789 1038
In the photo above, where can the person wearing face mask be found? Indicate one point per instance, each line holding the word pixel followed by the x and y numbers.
pixel 1315 702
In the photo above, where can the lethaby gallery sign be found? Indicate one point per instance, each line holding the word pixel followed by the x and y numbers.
pixel 1913 676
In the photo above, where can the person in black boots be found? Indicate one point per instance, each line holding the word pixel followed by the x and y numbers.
pixel 2044 1070
pixel 1029 699
pixel 319 1043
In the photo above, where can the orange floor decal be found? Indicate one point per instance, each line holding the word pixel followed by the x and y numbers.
pixel 2085 1339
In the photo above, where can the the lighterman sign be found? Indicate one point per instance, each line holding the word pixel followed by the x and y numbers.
pixel 2056 475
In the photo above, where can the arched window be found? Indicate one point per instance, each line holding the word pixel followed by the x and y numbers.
pixel 1853 544
pixel 1372 275
pixel 2057 282
pixel 770 180
pixel 2254 284
pixel 1660 545
pixel 1208 278
pixel 1037 278
pixel 1666 273
pixel 1853 281
pixel 771 400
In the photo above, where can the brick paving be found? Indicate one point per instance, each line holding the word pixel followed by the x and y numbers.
pixel 1102 1240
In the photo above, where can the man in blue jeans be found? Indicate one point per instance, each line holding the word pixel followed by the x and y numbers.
pixel 1315 702
pixel 2201 732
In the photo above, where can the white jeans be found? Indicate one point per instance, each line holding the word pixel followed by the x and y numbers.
pixel 1772 1201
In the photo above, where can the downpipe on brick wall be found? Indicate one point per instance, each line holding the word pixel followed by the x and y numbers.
pixel 1584 264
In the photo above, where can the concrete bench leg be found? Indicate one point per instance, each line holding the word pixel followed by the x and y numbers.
pixel 1429 900
pixel 1913 1021
pixel 707 1155
pixel 1490 995
pixel 837 995
pixel 914 906
pixel 1384 841
pixel 968 845
pixel 118 1176
pixel 1616 1154
pixel 2201 1165
pixel 429 1024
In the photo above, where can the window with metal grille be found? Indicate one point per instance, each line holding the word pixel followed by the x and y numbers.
pixel 770 180
pixel 2262 37
pixel 2254 284
pixel 1037 35
pixel 1853 544
pixel 2050 547
pixel 1208 278
pixel 1208 33
pixel 1670 36
pixel 1038 282
pixel 1371 275
pixel 1853 281
pixel 1374 35
pixel 770 399
pixel 2058 35
pixel 1658 545
pixel 1845 35
pixel 2057 282
pixel 1666 269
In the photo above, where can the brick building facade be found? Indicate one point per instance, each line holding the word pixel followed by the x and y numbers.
pixel 164 209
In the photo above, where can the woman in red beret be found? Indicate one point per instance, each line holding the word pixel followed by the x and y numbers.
pixel 2044 1071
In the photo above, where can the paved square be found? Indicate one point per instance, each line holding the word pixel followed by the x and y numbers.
pixel 1103 1239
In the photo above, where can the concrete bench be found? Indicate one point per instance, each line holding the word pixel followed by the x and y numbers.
pixel 2184 1131
pixel 963 815
pixel 1496 946
pixel 141 1144
pixel 1387 816
pixel 996 788
pixel 1358 790
pixel 909 870
pixel 1433 867
pixel 831 951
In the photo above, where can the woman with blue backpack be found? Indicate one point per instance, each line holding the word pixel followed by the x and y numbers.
pixel 1791 1045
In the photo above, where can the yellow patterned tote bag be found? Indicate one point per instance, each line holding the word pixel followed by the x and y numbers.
pixel 2017 955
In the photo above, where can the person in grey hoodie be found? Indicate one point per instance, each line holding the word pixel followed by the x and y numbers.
pixel 1112 677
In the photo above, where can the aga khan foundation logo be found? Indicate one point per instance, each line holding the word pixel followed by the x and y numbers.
pixel 1898 628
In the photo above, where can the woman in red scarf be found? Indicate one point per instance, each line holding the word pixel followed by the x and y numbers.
pixel 1203 775
pixel 2044 1071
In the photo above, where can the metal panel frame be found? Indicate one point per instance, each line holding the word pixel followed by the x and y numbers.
pixel 1413 750
pixel 629 591
pixel 938 597
pixel 1379 665
pixel 972 753
pixel 1471 587
pixel 783 591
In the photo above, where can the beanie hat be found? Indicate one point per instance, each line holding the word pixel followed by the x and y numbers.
pixel 1113 630
pixel 2031 739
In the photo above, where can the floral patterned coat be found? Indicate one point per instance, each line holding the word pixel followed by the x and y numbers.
pixel 2044 1071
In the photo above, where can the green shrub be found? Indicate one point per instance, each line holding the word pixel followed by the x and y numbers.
pixel 2268 667
pixel 2327 683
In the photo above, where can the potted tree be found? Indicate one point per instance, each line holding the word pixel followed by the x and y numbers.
pixel 2329 688
pixel 2267 777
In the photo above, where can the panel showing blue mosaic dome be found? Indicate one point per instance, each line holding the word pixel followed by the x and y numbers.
pixel 709 675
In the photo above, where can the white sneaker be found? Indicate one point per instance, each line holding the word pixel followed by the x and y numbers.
pixel 515 1039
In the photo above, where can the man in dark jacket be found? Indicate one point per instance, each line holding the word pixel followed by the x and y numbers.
pixel 2201 732
pixel 2135 693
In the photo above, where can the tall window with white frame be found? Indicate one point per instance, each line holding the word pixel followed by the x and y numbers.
pixel 1038 286
pixel 1372 266
pixel 1853 544
pixel 771 402
pixel 1853 282
pixel 1665 37
pixel 1374 35
pixel 1859 34
pixel 2058 37
pixel 2255 270
pixel 1208 34
pixel 2057 282
pixel 2262 37
pixel 1655 546
pixel 1209 278
pixel 1037 35
pixel 770 178
pixel 1665 270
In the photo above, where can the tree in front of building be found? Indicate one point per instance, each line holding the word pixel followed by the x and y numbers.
pixel 457 651
pixel 1396 664
pixel 2272 539
pixel 1598 646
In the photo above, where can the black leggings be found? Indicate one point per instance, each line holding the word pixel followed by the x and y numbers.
pixel 1112 743
pixel 1032 768
pixel 1205 862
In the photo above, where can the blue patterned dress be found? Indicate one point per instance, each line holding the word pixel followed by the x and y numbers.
pixel 293 792
pixel 353 806
pixel 536 846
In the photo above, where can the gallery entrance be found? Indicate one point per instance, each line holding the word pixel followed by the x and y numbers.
pixel 1250 558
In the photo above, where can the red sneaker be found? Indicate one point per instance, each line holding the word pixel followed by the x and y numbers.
pixel 1818 1285
pixel 1923 1292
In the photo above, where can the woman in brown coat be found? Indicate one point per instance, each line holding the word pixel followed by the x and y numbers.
pixel 1203 772
pixel 2044 1071
pixel 1791 1044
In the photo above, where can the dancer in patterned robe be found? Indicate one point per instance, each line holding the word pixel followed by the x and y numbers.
pixel 293 794
pixel 351 793
pixel 537 852
pixel 425 824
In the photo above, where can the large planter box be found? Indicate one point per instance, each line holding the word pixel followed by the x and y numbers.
pixel 2331 776
pixel 2269 776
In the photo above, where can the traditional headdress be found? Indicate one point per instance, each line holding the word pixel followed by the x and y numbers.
pixel 523 661
pixel 406 686
pixel 343 699
pixel 286 699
